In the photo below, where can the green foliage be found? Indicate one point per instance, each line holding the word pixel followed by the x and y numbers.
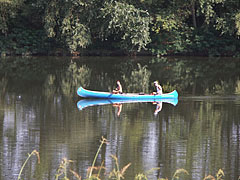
pixel 207 8
pixel 127 23
pixel 205 27
pixel 237 22
pixel 75 34
pixel 25 42
pixel 8 9
pixel 174 34
pixel 209 44
pixel 64 22
pixel 224 87
pixel 171 34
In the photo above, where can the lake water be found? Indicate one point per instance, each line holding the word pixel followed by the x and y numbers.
pixel 39 111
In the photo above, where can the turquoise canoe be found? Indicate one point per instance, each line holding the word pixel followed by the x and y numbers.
pixel 96 102
pixel 107 95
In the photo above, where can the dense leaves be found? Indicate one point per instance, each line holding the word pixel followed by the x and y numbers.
pixel 202 27
pixel 128 24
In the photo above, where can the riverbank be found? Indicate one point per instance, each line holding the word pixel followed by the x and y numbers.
pixel 104 52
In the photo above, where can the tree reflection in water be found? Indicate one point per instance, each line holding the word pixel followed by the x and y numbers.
pixel 137 80
pixel 200 135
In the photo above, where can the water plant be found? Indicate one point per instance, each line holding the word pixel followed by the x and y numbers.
pixel 143 176
pixel 117 173
pixel 103 141
pixel 34 152
pixel 62 170
pixel 219 176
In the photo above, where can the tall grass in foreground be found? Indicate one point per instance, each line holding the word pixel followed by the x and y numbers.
pixel 117 173
pixel 34 152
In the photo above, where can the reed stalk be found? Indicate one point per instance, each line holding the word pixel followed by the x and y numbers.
pixel 116 172
pixel 62 170
pixel 103 141
pixel 34 152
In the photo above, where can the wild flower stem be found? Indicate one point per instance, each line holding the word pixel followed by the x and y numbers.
pixel 95 158
pixel 29 155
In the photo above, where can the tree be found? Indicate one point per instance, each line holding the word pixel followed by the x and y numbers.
pixel 72 22
pixel 64 21
pixel 127 23
pixel 8 9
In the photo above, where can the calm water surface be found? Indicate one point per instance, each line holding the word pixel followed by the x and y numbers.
pixel 38 111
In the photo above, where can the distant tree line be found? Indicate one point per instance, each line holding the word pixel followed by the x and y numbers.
pixel 94 27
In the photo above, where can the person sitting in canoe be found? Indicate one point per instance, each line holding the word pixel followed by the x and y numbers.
pixel 158 88
pixel 118 90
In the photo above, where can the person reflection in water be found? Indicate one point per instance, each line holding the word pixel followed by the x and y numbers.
pixel 158 107
pixel 119 108
pixel 118 90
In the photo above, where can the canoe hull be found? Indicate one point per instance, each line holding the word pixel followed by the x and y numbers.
pixel 106 95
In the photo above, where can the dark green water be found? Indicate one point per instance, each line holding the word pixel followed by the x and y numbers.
pixel 38 110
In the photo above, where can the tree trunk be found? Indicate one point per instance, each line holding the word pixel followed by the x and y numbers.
pixel 194 14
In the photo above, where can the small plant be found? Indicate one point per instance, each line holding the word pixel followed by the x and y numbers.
pixel 103 141
pixel 117 173
pixel 219 176
pixel 143 176
pixel 34 152
pixel 140 176
pixel 179 171
pixel 95 176
pixel 62 170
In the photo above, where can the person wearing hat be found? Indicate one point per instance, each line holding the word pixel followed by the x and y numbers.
pixel 158 88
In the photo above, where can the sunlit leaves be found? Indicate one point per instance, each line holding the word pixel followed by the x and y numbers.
pixel 166 28
pixel 8 9
pixel 207 8
pixel 237 22
pixel 166 22
pixel 52 13
pixel 222 14
pixel 64 22
pixel 128 23
pixel 75 34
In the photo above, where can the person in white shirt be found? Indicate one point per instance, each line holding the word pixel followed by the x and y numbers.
pixel 158 88
pixel 118 90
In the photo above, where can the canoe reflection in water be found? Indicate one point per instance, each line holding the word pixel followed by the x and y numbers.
pixel 118 103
